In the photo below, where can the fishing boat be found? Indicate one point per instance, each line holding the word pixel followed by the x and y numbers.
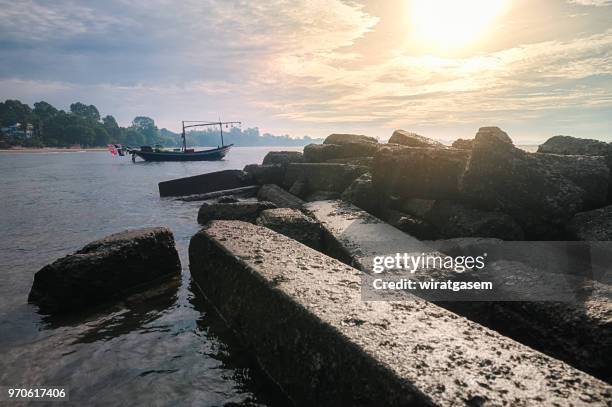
pixel 157 153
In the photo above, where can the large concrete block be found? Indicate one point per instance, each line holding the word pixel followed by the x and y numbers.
pixel 279 197
pixel 302 315
pixel 201 184
pixel 246 211
pixel 356 237
pixel 294 224
pixel 417 172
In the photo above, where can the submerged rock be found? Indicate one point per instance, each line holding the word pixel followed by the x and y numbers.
pixel 349 139
pixel 595 225
pixel 283 157
pixel 279 197
pixel 246 211
pixel 413 140
pixel 294 224
pixel 105 270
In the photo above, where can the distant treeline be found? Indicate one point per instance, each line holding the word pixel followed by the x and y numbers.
pixel 46 126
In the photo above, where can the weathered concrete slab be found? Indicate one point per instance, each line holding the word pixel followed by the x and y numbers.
pixel 294 224
pixel 105 270
pixel 243 192
pixel 358 236
pixel 279 197
pixel 302 315
pixel 355 237
pixel 201 184
pixel 246 211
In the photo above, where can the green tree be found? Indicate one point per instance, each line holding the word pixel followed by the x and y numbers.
pixel 78 134
pixel 146 126
pixel 134 138
pixel 84 111
pixel 13 111
pixel 102 137
pixel 112 128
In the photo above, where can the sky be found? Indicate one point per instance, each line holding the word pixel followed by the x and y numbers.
pixel 441 68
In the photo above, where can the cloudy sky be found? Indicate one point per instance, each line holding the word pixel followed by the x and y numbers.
pixel 442 68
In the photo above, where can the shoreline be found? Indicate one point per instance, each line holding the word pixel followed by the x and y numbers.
pixel 51 150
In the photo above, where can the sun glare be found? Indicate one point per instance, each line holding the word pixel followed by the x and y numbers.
pixel 444 25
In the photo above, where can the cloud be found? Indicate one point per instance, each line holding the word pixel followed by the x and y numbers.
pixel 596 3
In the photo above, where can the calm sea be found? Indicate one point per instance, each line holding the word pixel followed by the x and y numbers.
pixel 172 351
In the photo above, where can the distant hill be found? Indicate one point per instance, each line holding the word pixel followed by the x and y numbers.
pixel 245 138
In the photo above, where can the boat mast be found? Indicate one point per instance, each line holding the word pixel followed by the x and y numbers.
pixel 203 123
pixel 184 139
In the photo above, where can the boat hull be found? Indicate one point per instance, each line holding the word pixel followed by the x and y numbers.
pixel 214 154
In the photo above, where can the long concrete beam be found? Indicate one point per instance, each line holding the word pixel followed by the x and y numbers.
pixel 302 315
pixel 578 331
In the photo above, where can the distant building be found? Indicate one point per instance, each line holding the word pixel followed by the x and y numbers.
pixel 17 132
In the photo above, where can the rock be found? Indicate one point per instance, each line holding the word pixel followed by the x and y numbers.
pixel 201 184
pixel 454 219
pixel 283 157
pixel 243 192
pixel 529 187
pixel 463 144
pixel 246 211
pixel 322 196
pixel 294 224
pixel 416 172
pixel 595 225
pixel 322 176
pixel 299 188
pixel 361 193
pixel 227 199
pixel 266 174
pixel 589 173
pixel 419 228
pixel 279 197
pixel 413 140
pixel 349 139
pixel 316 153
pixel 295 307
pixel 417 207
pixel 567 145
pixel 363 161
pixel 107 269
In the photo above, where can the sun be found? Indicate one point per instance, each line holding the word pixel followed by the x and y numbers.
pixel 443 25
